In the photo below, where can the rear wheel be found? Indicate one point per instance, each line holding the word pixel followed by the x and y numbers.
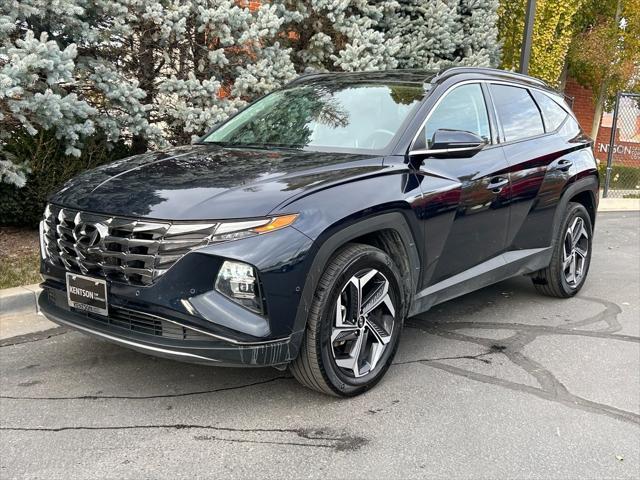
pixel 354 323
pixel 567 272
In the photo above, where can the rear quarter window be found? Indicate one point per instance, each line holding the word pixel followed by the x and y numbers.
pixel 517 112
pixel 569 129
pixel 552 113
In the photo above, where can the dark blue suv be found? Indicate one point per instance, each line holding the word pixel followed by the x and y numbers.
pixel 306 228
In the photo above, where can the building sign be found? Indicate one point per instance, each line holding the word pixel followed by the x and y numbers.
pixel 625 151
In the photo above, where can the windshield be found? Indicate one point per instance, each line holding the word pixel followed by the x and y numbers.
pixel 354 117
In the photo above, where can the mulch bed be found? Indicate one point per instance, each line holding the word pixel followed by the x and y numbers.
pixel 19 256
pixel 18 241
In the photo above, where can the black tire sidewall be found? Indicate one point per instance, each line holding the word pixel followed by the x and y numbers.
pixel 341 383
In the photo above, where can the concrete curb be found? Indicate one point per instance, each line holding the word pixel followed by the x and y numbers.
pixel 619 205
pixel 19 300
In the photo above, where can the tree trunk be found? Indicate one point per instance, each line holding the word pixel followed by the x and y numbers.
pixel 597 114
pixel 562 81
pixel 146 78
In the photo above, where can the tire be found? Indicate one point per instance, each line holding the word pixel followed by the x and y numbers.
pixel 556 280
pixel 328 360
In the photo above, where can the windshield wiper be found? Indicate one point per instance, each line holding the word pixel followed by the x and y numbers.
pixel 261 146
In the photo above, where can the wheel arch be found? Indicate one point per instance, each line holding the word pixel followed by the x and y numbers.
pixel 587 198
pixel 584 191
pixel 389 232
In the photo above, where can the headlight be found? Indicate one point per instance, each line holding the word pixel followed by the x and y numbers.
pixel 239 282
pixel 226 231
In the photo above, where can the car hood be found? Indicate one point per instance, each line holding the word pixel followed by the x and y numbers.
pixel 199 182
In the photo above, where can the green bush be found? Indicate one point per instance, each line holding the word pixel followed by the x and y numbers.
pixel 50 169
pixel 622 177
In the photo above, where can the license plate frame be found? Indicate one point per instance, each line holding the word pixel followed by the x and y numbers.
pixel 87 294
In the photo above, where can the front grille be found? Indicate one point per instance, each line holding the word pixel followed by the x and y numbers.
pixel 121 249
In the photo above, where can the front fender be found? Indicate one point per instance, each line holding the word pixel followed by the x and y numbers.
pixel 333 238
pixel 346 212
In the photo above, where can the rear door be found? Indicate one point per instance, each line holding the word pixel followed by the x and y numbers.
pixel 539 161
pixel 476 187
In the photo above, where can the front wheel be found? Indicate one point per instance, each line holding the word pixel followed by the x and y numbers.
pixel 571 257
pixel 354 323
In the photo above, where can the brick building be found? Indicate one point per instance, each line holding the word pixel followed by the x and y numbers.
pixel 627 138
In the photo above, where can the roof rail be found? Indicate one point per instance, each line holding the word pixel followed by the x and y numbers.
pixel 305 75
pixel 492 71
pixel 426 75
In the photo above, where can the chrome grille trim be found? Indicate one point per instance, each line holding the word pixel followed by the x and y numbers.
pixel 121 249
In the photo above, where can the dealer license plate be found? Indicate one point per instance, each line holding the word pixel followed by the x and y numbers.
pixel 87 294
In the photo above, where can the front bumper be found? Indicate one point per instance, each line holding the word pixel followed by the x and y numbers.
pixel 166 337
pixel 180 315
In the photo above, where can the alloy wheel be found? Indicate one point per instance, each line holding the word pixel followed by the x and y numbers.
pixel 363 323
pixel 574 254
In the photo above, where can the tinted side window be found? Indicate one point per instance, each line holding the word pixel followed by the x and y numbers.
pixel 462 109
pixel 552 113
pixel 517 112
pixel 569 129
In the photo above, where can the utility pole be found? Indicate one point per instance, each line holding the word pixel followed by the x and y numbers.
pixel 525 53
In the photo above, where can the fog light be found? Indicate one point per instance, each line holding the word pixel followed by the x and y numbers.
pixel 238 281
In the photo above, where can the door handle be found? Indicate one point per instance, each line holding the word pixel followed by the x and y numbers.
pixel 564 165
pixel 496 184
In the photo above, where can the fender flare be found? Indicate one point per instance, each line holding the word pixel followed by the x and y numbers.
pixel 585 184
pixel 395 221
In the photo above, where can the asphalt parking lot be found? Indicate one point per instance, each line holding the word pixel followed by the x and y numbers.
pixel 499 383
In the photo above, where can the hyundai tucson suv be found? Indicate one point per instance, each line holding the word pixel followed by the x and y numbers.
pixel 302 231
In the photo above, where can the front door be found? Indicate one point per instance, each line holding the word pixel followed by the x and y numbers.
pixel 466 197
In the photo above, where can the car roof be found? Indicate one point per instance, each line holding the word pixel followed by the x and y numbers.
pixel 418 76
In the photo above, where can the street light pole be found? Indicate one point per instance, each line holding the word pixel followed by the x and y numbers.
pixel 525 53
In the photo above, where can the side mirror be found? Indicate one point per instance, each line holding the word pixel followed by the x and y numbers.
pixel 447 143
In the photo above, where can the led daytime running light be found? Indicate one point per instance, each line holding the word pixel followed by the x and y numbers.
pixel 235 230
